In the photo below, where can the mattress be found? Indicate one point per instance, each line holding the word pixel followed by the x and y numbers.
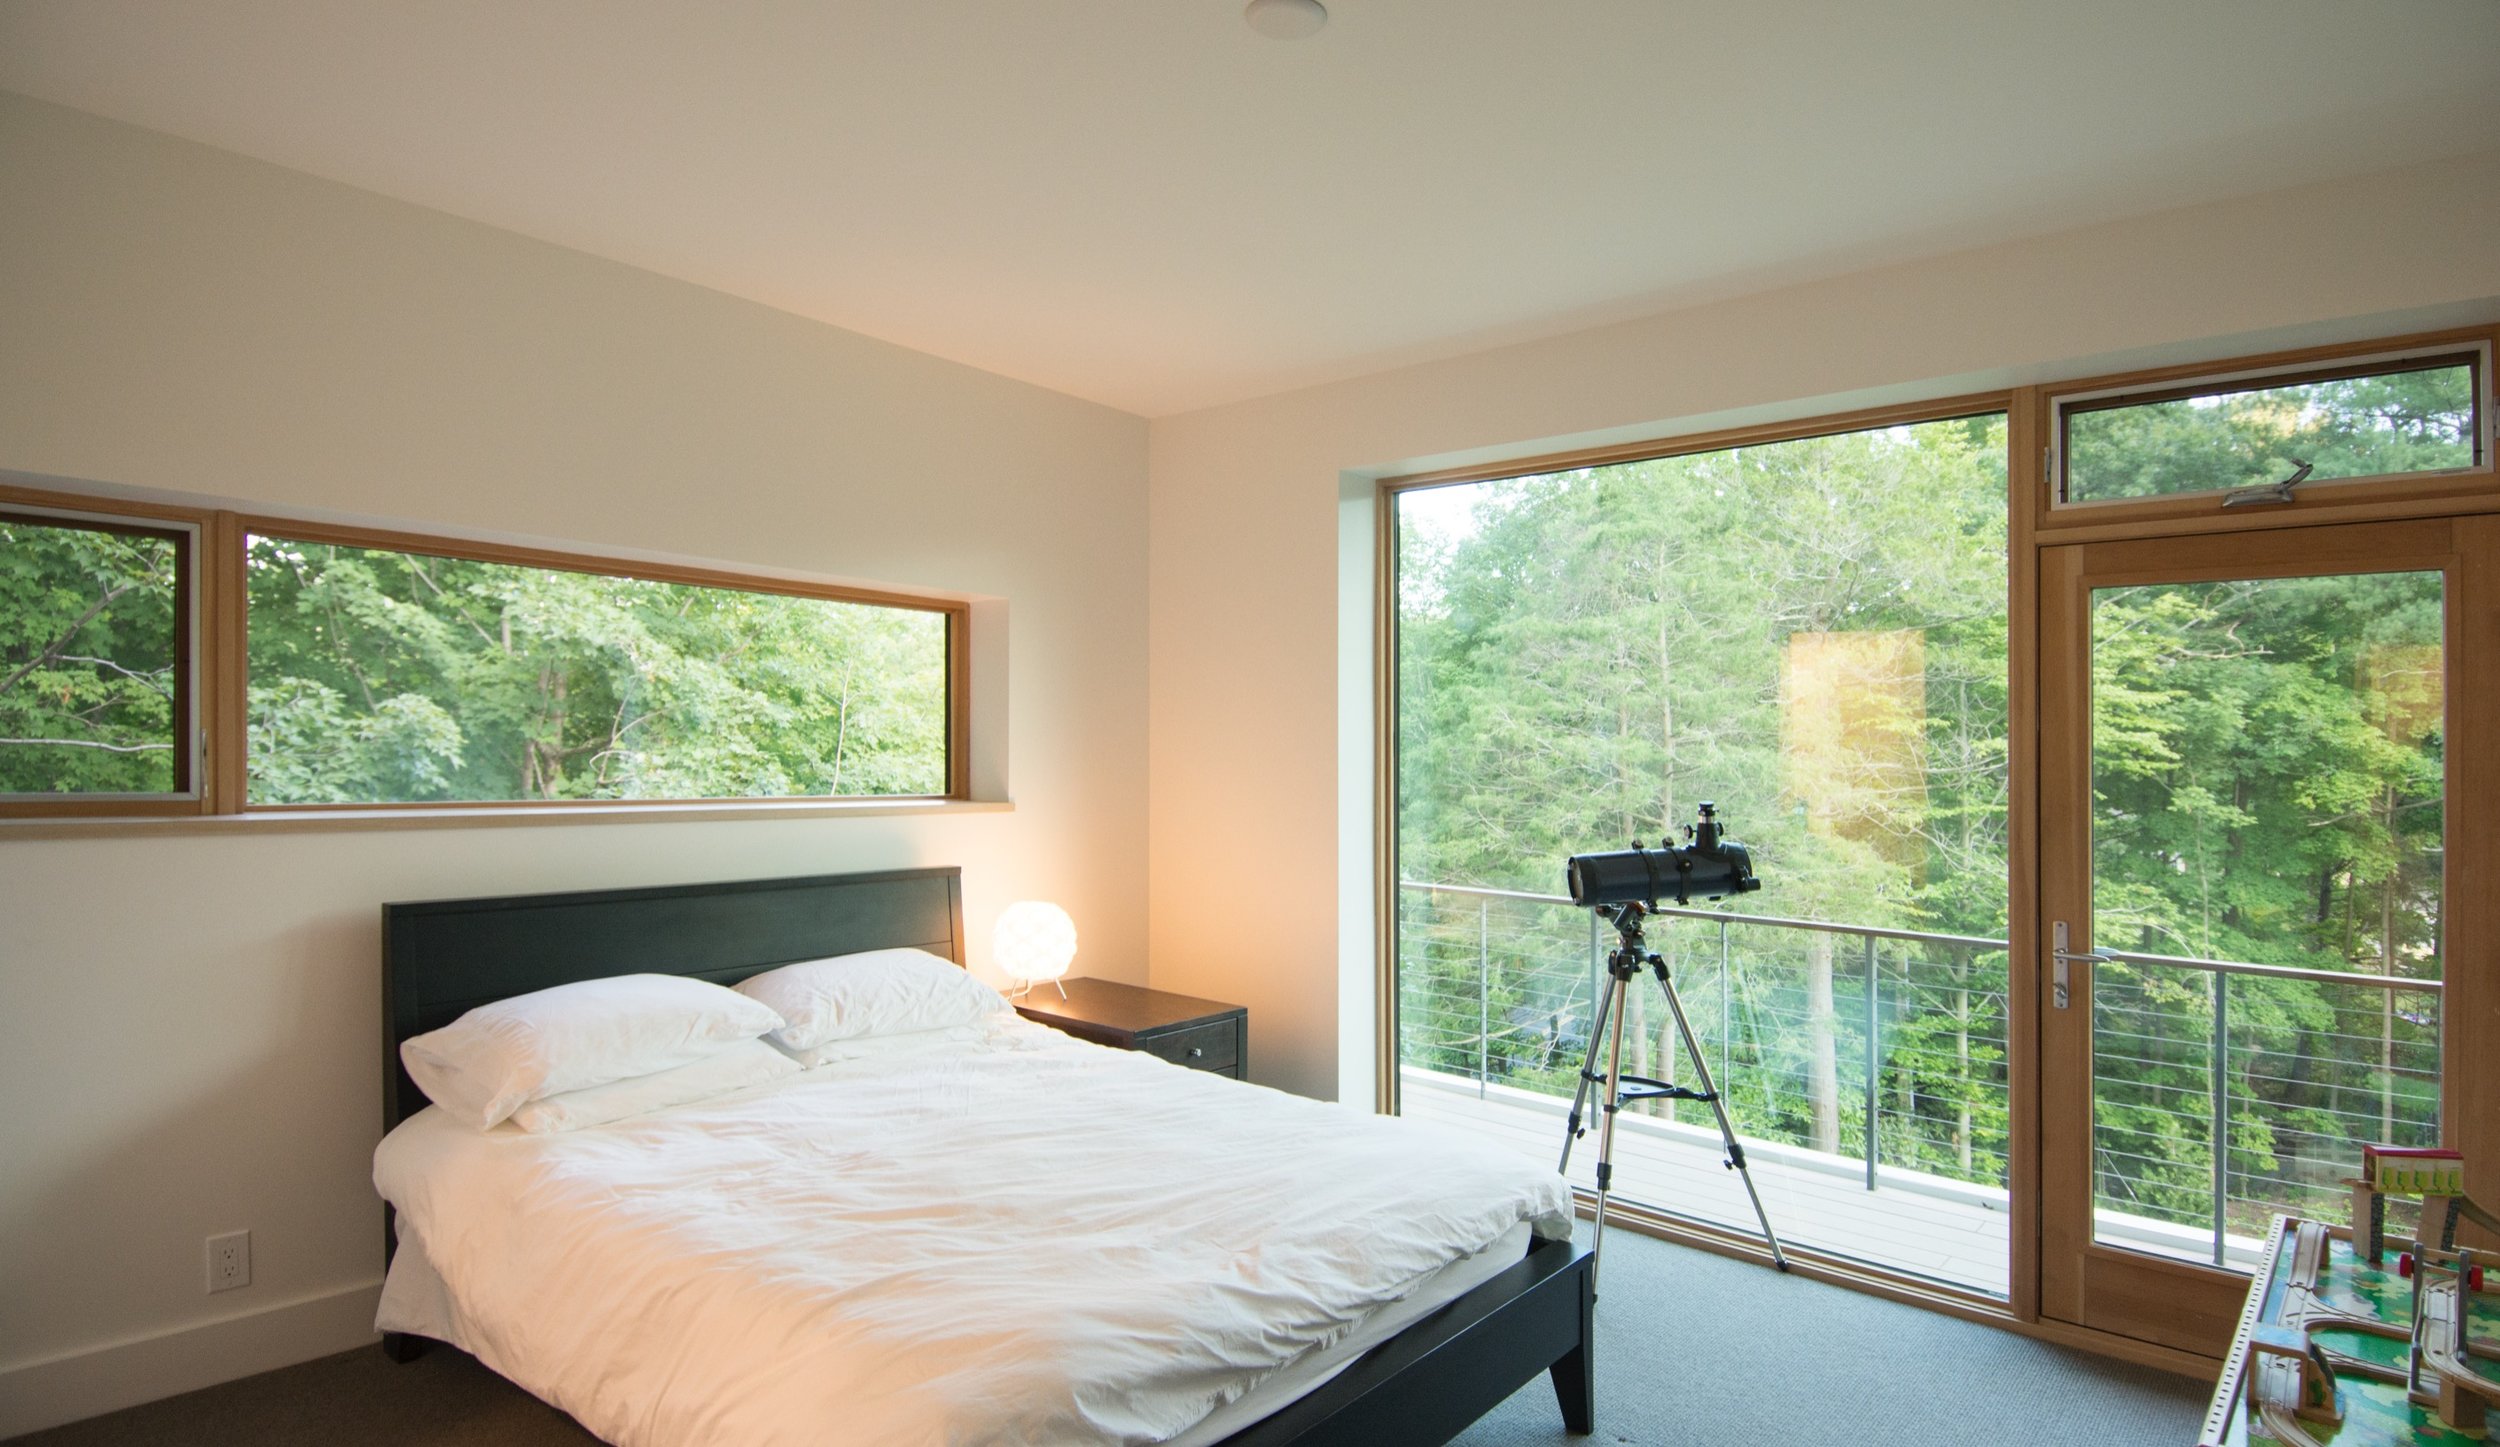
pixel 1018 1238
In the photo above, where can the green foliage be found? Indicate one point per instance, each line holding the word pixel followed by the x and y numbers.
pixel 2267 788
pixel 2355 427
pixel 391 677
pixel 380 676
pixel 1584 656
pixel 87 660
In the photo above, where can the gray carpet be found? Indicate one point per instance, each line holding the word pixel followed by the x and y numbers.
pixel 1693 1350
pixel 1697 1350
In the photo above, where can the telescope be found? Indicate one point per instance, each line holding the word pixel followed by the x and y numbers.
pixel 1710 866
pixel 1624 887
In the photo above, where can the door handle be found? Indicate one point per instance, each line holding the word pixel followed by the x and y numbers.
pixel 2063 957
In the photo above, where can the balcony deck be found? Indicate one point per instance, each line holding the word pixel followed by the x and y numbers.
pixel 1945 1231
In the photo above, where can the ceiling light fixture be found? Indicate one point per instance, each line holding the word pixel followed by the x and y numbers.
pixel 1285 19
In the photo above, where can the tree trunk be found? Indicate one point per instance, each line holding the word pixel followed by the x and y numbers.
pixel 1822 1062
pixel 1666 803
pixel 841 730
pixel 547 755
pixel 1901 1005
pixel 1961 1064
pixel 1636 1038
pixel 2387 970
pixel 1666 726
pixel 1669 1059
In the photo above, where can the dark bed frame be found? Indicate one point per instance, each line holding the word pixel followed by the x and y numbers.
pixel 444 957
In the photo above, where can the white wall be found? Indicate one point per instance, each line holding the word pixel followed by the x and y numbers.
pixel 189 1026
pixel 1260 564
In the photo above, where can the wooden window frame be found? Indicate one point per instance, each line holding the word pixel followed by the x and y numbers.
pixel 215 661
pixel 189 530
pixel 2383 495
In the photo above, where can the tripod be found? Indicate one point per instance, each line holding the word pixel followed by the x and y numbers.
pixel 1623 964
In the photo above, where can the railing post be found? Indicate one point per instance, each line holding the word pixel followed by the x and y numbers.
pixel 1871 1061
pixel 1484 993
pixel 2222 1109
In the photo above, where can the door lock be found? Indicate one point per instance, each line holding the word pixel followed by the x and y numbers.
pixel 2063 957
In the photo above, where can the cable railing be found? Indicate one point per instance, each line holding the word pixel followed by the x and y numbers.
pixel 1885 1048
pixel 1896 1059
pixel 2224 1091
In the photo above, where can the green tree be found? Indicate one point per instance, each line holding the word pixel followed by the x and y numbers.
pixel 1590 654
pixel 1585 655
pixel 394 676
pixel 87 659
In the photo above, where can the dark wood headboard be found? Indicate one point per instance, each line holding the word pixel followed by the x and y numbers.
pixel 441 958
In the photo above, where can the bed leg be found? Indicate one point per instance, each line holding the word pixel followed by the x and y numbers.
pixel 405 1347
pixel 1575 1387
pixel 1575 1374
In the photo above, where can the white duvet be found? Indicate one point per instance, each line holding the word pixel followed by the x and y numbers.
pixel 1017 1239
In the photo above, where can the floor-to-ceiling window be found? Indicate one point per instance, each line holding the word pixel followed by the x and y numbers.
pixel 1811 633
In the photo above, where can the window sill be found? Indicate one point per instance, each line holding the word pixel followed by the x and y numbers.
pixel 485 816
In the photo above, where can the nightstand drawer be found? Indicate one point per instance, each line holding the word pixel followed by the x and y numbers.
pixel 1206 1035
pixel 1200 1047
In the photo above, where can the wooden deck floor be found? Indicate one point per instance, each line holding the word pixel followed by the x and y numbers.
pixel 1943 1230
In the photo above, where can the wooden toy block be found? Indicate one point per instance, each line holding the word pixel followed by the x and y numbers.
pixel 2399 1171
pixel 2437 1176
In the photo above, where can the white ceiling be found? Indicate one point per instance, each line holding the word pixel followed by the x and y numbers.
pixel 1144 203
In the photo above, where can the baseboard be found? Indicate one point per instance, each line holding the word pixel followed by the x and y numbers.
pixel 122 1374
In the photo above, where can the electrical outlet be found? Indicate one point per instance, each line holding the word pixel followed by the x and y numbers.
pixel 230 1261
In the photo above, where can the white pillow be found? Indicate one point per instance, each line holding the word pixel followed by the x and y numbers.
pixel 873 1047
pixel 738 1065
pixel 497 1058
pixel 879 992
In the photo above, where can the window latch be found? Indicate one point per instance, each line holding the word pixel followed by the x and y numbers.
pixel 2059 985
pixel 2267 492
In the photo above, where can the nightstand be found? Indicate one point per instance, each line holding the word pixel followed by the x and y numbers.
pixel 1204 1035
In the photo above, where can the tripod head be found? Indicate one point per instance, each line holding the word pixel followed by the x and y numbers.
pixel 1625 917
pixel 1632 941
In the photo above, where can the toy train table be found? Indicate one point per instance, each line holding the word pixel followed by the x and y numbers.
pixel 2336 1351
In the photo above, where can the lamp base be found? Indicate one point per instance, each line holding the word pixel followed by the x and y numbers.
pixel 1027 988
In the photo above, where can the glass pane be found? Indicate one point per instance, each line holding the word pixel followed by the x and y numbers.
pixel 89 643
pixel 1812 634
pixel 2243 436
pixel 2268 788
pixel 385 677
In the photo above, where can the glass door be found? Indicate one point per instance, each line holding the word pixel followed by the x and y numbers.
pixel 2260 778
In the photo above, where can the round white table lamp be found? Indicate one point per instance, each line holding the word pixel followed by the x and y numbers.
pixel 1034 941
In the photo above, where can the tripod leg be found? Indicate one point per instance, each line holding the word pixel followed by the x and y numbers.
pixel 1588 1073
pixel 1606 1128
pixel 1718 1108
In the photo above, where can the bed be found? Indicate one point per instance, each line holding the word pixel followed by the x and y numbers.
pixel 1336 1360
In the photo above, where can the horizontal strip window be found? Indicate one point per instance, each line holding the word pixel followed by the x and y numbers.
pixel 95 661
pixel 381 676
pixel 155 661
pixel 2252 438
